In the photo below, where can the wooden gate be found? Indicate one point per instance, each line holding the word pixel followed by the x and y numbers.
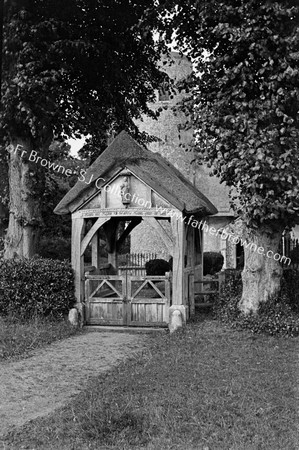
pixel 127 300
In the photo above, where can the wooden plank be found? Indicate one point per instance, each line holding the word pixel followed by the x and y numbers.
pixel 138 301
pixel 148 277
pixel 95 255
pixel 86 240
pixel 105 277
pixel 150 310
pixel 178 261
pixel 141 312
pixel 87 290
pixel 167 290
pixel 160 315
pixel 124 212
pixel 77 260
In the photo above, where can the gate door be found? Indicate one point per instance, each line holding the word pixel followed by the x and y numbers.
pixel 105 297
pixel 148 300
pixel 127 300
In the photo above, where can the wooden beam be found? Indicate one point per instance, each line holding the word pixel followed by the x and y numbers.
pixel 78 226
pixel 86 240
pixel 95 260
pixel 127 231
pixel 178 261
pixel 166 238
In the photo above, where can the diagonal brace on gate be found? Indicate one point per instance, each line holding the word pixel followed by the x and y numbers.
pixel 152 285
pixel 108 284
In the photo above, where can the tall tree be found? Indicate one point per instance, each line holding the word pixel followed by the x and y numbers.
pixel 71 68
pixel 244 106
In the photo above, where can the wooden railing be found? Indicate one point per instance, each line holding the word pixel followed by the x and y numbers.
pixel 289 247
pixel 200 292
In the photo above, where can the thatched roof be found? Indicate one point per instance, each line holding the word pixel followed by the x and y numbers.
pixel 152 168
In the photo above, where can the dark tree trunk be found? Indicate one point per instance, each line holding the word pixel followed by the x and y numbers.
pixel 26 184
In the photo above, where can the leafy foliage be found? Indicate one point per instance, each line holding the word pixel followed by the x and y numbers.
pixel 81 69
pixel 37 287
pixel 58 181
pixel 212 262
pixel 244 100
pixel 278 316
pixel 55 248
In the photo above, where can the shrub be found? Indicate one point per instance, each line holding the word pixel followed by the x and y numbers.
pixel 157 267
pixel 212 262
pixel 290 287
pixel 37 287
pixel 278 316
pixel 55 248
pixel 294 255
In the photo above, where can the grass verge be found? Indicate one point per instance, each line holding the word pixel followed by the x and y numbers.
pixel 18 338
pixel 206 387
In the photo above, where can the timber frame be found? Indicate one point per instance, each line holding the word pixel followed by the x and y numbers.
pixel 174 212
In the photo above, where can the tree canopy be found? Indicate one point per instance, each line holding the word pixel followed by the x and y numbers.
pixel 244 109
pixel 71 68
pixel 244 102
pixel 81 67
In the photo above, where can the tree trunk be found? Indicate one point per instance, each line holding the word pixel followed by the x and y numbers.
pixel 262 273
pixel 26 183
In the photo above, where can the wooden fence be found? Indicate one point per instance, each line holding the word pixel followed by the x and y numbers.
pixel 134 263
pixel 289 247
pixel 206 289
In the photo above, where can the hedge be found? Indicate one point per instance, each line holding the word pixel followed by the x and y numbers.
pixel 212 263
pixel 36 287
pixel 157 267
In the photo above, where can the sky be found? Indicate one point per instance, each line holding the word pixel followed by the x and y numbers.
pixel 76 145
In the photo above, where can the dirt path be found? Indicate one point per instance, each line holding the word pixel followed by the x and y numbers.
pixel 38 385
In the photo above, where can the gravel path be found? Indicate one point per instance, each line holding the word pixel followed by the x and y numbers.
pixel 36 386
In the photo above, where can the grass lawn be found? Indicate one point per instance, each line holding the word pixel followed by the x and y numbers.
pixel 205 388
pixel 18 338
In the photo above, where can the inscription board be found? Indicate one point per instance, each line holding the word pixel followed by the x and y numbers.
pixel 98 212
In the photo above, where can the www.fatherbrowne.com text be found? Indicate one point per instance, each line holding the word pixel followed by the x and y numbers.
pixel 201 225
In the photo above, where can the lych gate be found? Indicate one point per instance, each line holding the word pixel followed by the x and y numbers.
pixel 128 184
